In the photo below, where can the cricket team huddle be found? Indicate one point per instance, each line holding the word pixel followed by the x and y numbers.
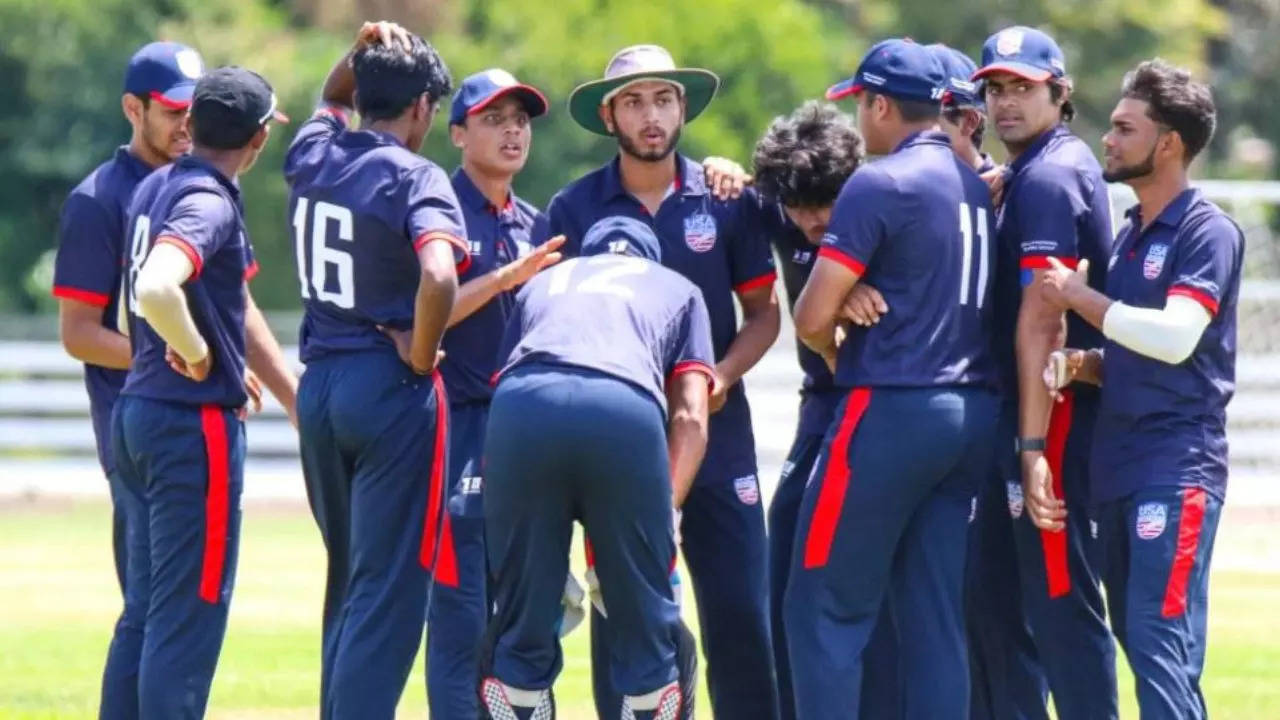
pixel 1008 405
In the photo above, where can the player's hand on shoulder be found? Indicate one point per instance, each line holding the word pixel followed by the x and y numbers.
pixel 864 305
pixel 726 179
pixel 996 178
pixel 383 33
pixel 522 269
pixel 197 371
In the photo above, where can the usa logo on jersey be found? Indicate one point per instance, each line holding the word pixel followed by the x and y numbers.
pixel 700 232
pixel 748 489
pixel 1151 520
pixel 1014 491
pixel 1153 264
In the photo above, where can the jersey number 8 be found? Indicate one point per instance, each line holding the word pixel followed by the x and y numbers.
pixel 313 284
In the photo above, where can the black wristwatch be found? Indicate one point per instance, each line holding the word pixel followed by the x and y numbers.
pixel 1029 444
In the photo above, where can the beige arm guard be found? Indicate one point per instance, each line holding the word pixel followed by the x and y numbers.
pixel 1169 334
pixel 163 304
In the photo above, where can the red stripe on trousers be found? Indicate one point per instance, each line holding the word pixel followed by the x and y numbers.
pixel 432 535
pixel 589 552
pixel 1056 569
pixel 835 481
pixel 1184 558
pixel 216 502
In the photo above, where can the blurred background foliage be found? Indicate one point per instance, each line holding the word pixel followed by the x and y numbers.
pixel 63 61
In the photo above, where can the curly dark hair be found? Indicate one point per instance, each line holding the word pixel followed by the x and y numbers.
pixel 1176 100
pixel 1059 89
pixel 804 158
pixel 388 80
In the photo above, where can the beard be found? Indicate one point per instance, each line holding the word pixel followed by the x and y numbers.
pixel 1131 172
pixel 160 142
pixel 629 146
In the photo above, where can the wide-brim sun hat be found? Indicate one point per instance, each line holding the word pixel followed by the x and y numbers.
pixel 640 63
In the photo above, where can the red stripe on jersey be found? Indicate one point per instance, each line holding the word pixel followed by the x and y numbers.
pixel 1190 524
pixel 187 249
pixel 693 366
pixel 252 271
pixel 854 264
pixel 765 280
pixel 87 297
pixel 457 244
pixel 835 482
pixel 1196 294
pixel 216 504
pixel 1054 544
pixel 1041 262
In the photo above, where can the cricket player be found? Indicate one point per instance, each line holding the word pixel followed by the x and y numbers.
pixel 1167 369
pixel 800 164
pixel 380 239
pixel 489 122
pixel 178 425
pixel 883 515
pixel 644 101
pixel 87 277
pixel 1055 204
pixel 611 353
pixel 964 118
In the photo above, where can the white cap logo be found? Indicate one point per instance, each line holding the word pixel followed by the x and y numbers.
pixel 1009 42
pixel 189 63
pixel 500 77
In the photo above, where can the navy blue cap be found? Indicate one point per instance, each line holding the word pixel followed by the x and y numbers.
pixel 1022 51
pixel 898 68
pixel 478 90
pixel 230 105
pixel 165 72
pixel 961 91
pixel 622 235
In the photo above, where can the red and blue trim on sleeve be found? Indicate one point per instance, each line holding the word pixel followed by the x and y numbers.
pixel 1196 294
pixel 1041 262
pixel 765 280
pixel 833 253
pixel 461 251
pixel 693 366
pixel 187 248
pixel 88 297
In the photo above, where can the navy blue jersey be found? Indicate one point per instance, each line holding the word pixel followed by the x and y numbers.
pixel 87 269
pixel 717 245
pixel 496 236
pixel 1162 424
pixel 361 205
pixel 916 225
pixel 1056 204
pixel 193 206
pixel 625 316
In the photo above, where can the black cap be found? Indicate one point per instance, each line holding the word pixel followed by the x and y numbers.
pixel 230 105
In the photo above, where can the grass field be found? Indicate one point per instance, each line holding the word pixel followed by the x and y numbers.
pixel 58 600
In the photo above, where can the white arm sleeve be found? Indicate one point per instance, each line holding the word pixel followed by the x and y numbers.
pixel 1169 334
pixel 163 304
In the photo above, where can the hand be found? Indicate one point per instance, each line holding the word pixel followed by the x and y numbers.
pixel 197 371
pixel 995 179
pixel 1060 282
pixel 403 340
pixel 726 179
pixel 719 394
pixel 864 305
pixel 384 33
pixel 1061 370
pixel 1046 511
pixel 253 386
pixel 519 271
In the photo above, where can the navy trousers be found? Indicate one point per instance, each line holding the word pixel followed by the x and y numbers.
pixel 1157 545
pixel 374 439
pixel 598 455
pixel 181 473
pixel 887 515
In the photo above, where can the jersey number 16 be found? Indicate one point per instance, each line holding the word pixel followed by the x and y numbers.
pixel 313 284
